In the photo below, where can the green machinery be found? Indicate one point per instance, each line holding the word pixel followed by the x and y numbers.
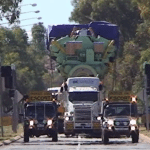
pixel 83 50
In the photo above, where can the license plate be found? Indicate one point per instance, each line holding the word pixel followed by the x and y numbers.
pixel 40 125
pixel 121 129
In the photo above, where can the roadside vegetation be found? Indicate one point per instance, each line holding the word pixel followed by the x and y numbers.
pixel 9 134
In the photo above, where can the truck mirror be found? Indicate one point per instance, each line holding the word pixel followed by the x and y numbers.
pixel 66 87
pixel 61 89
pixel 102 118
pixel 100 87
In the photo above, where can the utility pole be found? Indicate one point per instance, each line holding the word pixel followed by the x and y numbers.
pixel 15 104
pixel 1 106
pixel 146 104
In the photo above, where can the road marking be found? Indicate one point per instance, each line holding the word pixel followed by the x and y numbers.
pixel 79 144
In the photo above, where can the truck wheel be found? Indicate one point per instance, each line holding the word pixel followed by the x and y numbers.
pixel 135 138
pixel 105 138
pixel 26 134
pixel 55 137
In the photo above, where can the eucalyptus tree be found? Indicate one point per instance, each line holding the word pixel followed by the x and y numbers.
pixel 10 10
pixel 124 13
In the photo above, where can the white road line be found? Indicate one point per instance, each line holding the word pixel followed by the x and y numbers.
pixel 79 144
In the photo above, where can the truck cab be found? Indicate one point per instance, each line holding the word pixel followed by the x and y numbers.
pixel 119 118
pixel 83 93
pixel 40 116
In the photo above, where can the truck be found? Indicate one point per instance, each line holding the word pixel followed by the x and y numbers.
pixel 83 106
pixel 120 116
pixel 40 116
pixel 55 91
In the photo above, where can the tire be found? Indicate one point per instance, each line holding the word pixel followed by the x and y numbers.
pixel 26 136
pixel 37 136
pixel 135 138
pixel 105 138
pixel 55 137
pixel 67 135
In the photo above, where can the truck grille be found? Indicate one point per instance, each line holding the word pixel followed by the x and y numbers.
pixel 121 123
pixel 83 115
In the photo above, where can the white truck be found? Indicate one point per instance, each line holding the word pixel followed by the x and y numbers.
pixel 82 96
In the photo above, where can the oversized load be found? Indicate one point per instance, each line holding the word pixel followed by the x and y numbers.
pixel 83 50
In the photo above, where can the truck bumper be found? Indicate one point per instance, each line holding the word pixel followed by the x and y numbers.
pixel 41 131
pixel 112 133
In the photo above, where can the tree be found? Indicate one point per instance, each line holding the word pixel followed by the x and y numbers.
pixel 10 10
pixel 144 6
pixel 124 13
pixel 39 37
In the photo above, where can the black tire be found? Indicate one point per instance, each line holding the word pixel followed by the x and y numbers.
pixel 105 138
pixel 67 135
pixel 26 136
pixel 135 138
pixel 37 136
pixel 55 137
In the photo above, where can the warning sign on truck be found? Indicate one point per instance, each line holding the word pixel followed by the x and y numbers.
pixel 119 96
pixel 40 96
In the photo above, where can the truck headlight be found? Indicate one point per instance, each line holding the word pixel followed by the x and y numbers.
pixel 110 122
pixel 99 118
pixel 49 122
pixel 67 118
pixel 31 122
pixel 133 122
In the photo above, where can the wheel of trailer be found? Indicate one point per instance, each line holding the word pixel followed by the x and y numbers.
pixel 135 138
pixel 105 138
pixel 26 135
pixel 55 137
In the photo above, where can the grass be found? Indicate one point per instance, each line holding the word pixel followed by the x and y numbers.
pixel 9 134
pixel 144 131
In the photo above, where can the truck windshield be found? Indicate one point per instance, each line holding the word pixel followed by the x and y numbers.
pixel 120 110
pixel 39 112
pixel 83 96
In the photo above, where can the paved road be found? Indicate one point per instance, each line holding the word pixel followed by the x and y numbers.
pixel 76 143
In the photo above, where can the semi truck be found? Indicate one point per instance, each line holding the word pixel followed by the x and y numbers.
pixel 82 96
pixel 40 116
pixel 120 116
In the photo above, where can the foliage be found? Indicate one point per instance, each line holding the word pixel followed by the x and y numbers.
pixel 10 10
pixel 144 6
pixel 124 13
pixel 38 34
pixel 27 57
pixel 143 35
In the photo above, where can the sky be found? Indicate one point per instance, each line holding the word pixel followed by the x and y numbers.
pixel 53 12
